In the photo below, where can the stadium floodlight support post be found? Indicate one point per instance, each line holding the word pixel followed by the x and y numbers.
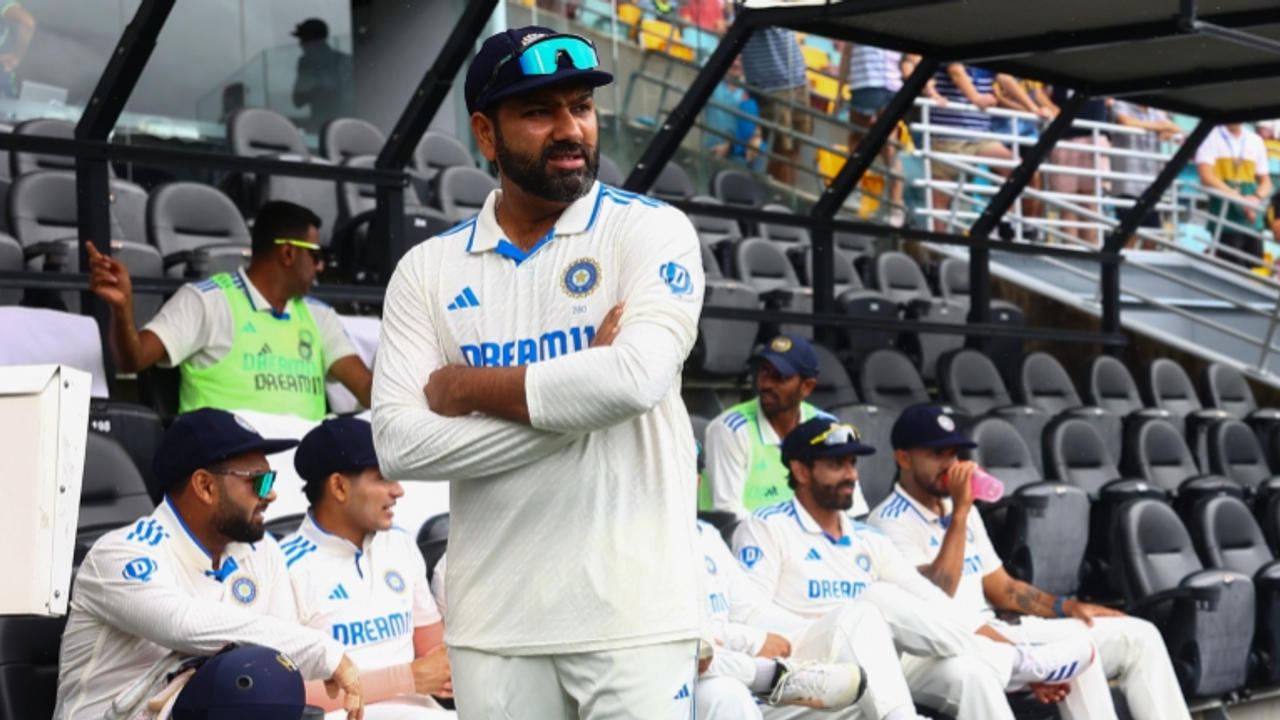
pixel 388 222
pixel 672 130
pixel 980 257
pixel 1109 278
pixel 93 177
pixel 835 194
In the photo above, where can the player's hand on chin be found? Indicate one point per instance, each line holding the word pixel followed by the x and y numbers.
pixel 346 679
pixel 443 390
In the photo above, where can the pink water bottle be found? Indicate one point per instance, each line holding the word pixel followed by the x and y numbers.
pixel 986 487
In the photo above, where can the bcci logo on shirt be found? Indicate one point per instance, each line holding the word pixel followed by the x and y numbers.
pixel 580 278
pixel 244 590
pixel 864 562
pixel 394 581
pixel 711 565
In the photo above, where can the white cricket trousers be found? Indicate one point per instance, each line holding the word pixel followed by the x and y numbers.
pixel 1130 651
pixel 721 697
pixel 648 682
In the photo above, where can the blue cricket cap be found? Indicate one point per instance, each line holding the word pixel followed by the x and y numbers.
pixel 335 445
pixel 791 355
pixel 203 438
pixel 928 426
pixel 495 74
pixel 248 682
pixel 803 442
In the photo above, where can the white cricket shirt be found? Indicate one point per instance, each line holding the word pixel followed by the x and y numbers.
pixel 575 533
pixel 918 532
pixel 149 589
pixel 738 616
pixel 196 324
pixel 369 598
pixel 807 571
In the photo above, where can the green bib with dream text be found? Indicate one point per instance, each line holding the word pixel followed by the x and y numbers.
pixel 275 365
pixel 766 481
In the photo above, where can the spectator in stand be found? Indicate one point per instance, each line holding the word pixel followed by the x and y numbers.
pixel 875 76
pixel 1096 110
pixel 1015 94
pixel 1233 161
pixel 774 68
pixel 706 14
pixel 1156 127
pixel 747 145
pixel 966 85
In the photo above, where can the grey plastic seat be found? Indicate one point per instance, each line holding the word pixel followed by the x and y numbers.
pixel 737 187
pixel 834 387
pixel 855 243
pixel 762 265
pixel 433 540
pixel 21 163
pixel 355 198
pixel 348 137
pixel 1162 459
pixel 1225 388
pixel 439 150
pixel 1234 453
pixel 113 493
pixel 463 190
pixel 129 207
pixel 10 261
pixel 889 379
pixel 197 229
pixel 900 278
pixel 137 429
pixel 1037 524
pixel 928 347
pixel 953 279
pixel 1111 386
pixel 673 183
pixel 1169 388
pixel 969 381
pixel 876 472
pixel 846 274
pixel 871 305
pixel 1006 351
pixel 258 132
pixel 713 230
pixel 780 232
pixel 316 194
pixel 29 646
pixel 1043 383
pixel 724 346
pixel 1207 617
pixel 609 173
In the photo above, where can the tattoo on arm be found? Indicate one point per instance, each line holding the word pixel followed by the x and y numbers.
pixel 1026 599
pixel 941 578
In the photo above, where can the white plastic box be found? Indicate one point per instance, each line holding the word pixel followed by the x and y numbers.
pixel 44 417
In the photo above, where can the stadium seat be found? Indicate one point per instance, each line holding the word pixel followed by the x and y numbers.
pixel 1228 538
pixel 435 152
pixel 672 183
pixel 137 429
pixel 1205 616
pixel 21 163
pixel 724 346
pixel 1043 383
pixel 346 137
pixel 433 538
pixel 862 341
pixel 719 233
pixel 462 191
pixel 953 279
pixel 316 194
pixel 1162 459
pixel 113 493
pixel 1234 453
pixel 855 242
pixel 197 229
pixel 1269 519
pixel 260 132
pixel 887 378
pixel 834 388
pixel 1111 387
pixel 1169 388
pixel 846 273
pixel 29 647
pixel 1225 388
pixel 737 187
pixel 284 525
pixel 969 382
pixel 764 266
pixel 1006 351
pixel 876 472
pixel 609 173
pixel 10 261
pixel 900 278
pixel 780 232
pixel 928 347
pixel 355 199
pixel 1036 525
pixel 723 520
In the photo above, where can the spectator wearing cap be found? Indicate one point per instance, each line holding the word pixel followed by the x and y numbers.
pixel 809 557
pixel 743 444
pixel 929 517
pixel 196 574
pixel 324 80
pixel 359 580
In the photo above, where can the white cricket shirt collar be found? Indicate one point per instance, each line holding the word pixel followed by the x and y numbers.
pixel 190 550
pixel 257 300
pixel 811 526
pixel 924 512
pixel 576 219
pixel 328 541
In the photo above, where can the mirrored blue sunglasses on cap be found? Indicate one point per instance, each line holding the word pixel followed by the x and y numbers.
pixel 543 57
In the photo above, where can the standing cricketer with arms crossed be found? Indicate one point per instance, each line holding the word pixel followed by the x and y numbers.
pixel 531 356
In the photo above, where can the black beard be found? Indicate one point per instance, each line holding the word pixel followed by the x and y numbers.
pixel 236 527
pixel 828 497
pixel 532 176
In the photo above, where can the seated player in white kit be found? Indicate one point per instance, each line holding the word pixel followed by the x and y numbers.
pixel 363 582
pixel 929 516
pixel 810 558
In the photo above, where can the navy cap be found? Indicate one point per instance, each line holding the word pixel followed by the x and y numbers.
pixel 335 445
pixel 311 29
pixel 510 79
pixel 248 682
pixel 799 443
pixel 203 438
pixel 928 426
pixel 791 355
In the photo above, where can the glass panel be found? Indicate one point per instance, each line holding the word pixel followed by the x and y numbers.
pixel 52 52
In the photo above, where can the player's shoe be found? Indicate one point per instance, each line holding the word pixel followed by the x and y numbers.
pixel 818 685
pixel 1055 662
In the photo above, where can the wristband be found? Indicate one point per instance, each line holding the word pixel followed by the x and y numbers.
pixel 1057 606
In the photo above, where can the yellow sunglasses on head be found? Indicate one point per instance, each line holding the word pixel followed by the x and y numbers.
pixel 837 434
